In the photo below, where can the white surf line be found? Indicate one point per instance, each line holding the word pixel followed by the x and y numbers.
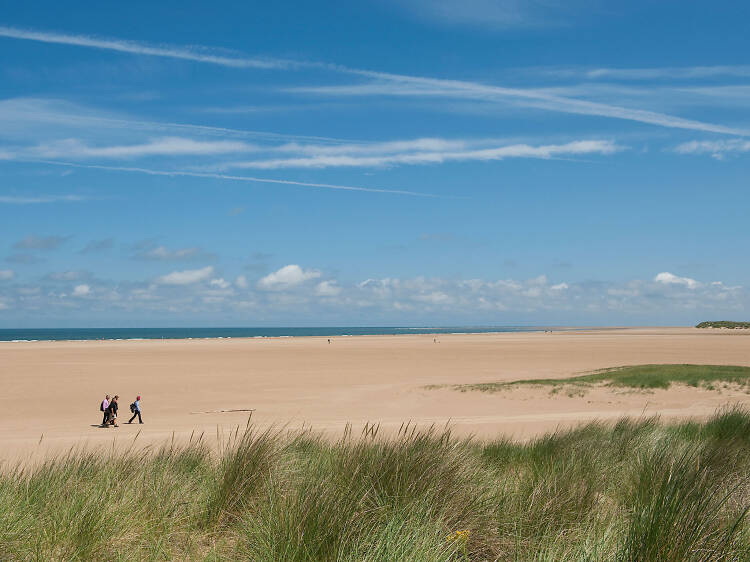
pixel 252 179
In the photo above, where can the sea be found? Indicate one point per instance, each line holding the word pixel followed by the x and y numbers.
pixel 64 334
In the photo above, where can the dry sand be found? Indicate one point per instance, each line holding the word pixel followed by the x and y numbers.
pixel 52 389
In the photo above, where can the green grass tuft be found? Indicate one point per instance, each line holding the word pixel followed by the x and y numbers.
pixel 640 377
pixel 631 490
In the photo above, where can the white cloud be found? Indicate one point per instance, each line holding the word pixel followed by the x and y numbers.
pixel 667 278
pixel 437 157
pixel 81 290
pixel 186 277
pixel 415 300
pixel 717 149
pixel 386 147
pixel 6 274
pixel 166 146
pixel 3 306
pixel 241 282
pixel 287 277
pixel 220 283
pixel 327 289
pixel 435 297
pixel 162 253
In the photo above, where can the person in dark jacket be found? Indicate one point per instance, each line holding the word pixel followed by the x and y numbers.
pixel 135 407
pixel 112 410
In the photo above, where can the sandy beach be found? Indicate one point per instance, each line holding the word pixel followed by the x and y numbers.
pixel 51 390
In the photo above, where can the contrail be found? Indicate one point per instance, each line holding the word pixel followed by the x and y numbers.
pixel 136 48
pixel 425 86
pixel 179 173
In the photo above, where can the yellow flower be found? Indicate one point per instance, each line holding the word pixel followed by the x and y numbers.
pixel 462 536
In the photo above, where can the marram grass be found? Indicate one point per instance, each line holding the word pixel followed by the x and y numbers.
pixel 636 490
pixel 640 377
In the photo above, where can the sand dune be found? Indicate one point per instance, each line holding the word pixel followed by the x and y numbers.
pixel 51 390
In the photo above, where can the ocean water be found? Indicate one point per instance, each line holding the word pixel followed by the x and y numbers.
pixel 60 334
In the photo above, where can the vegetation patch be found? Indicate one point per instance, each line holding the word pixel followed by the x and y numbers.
pixel 724 324
pixel 639 377
pixel 635 490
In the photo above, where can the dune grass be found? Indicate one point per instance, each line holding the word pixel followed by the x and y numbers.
pixel 636 490
pixel 642 377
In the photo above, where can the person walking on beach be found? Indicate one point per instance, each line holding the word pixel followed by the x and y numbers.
pixel 112 411
pixel 135 407
pixel 103 407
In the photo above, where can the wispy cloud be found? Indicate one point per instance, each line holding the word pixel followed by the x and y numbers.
pixel 23 259
pixel 179 173
pixel 385 83
pixel 98 246
pixel 32 200
pixel 436 157
pixel 24 116
pixel 32 242
pixel 717 149
pixel 166 146
pixel 150 252
pixel 186 277
pixel 67 275
pixel 654 73
pixel 137 48
pixel 327 289
pixel 492 14
pixel 385 147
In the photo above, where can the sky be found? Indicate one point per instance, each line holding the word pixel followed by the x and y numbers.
pixel 418 162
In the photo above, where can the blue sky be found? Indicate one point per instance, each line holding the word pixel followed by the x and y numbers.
pixel 375 162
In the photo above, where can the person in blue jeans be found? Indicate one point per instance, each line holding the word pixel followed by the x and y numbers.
pixel 136 410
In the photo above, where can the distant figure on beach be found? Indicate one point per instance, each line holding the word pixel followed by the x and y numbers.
pixel 103 407
pixel 112 412
pixel 135 407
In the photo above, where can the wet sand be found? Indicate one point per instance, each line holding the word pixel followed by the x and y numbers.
pixel 51 390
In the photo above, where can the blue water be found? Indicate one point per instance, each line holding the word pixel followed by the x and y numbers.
pixel 56 334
